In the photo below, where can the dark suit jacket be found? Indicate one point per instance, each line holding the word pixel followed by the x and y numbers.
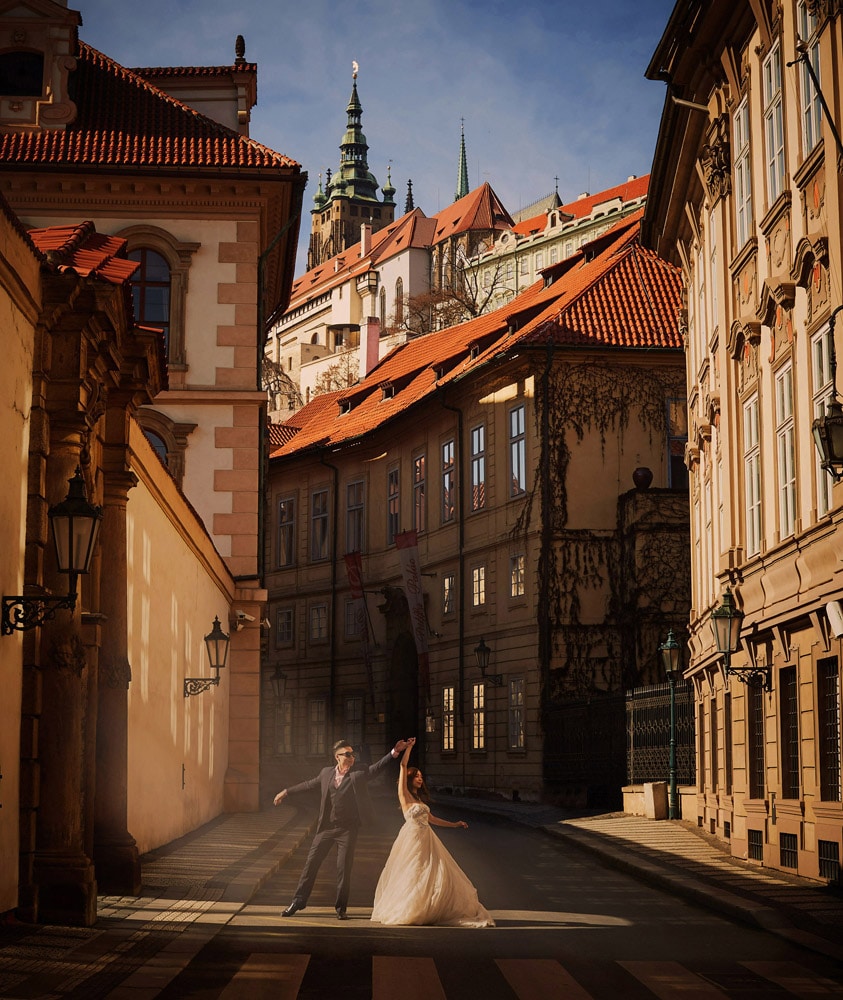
pixel 359 778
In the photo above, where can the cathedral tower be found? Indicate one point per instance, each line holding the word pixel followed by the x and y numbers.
pixel 350 196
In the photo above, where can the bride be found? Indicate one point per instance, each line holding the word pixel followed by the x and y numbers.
pixel 421 883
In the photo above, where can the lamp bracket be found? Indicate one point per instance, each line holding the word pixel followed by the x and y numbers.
pixel 21 613
pixel 196 685
pixel 496 680
pixel 759 676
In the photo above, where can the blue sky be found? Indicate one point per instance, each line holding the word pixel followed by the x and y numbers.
pixel 546 89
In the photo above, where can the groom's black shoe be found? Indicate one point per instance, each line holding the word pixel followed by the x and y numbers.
pixel 294 907
pixel 341 915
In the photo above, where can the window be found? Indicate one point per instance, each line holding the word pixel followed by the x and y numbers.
pixel 789 716
pixel 677 438
pixel 448 481
pixel 715 760
pixel 828 729
pixel 355 517
pixel 478 586
pixel 316 729
pixel 702 302
pixel 399 302
pixel 554 254
pixel 449 596
pixel 319 622
pixel 755 740
pixel 382 310
pixel 283 726
pixel 285 552
pixel 319 526
pixel 539 260
pixel 821 353
pixel 22 74
pixel 478 716
pixel 517 452
pixel 478 467
pixel 284 619
pixel 448 719
pixel 744 223
pixel 712 269
pixel 510 270
pixel 151 290
pixel 810 98
pixel 516 575
pixel 392 506
pixel 752 476
pixel 773 123
pixel 353 721
pixel 419 510
pixel 353 620
pixel 785 451
pixel 523 266
pixel 516 714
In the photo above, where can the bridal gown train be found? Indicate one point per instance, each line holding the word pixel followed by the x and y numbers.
pixel 422 884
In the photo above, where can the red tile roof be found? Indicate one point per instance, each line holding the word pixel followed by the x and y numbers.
pixel 123 120
pixel 612 295
pixel 630 190
pixel 479 209
pixel 82 249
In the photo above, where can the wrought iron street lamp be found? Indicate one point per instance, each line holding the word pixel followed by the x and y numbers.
pixel 828 429
pixel 278 680
pixel 726 621
pixel 482 653
pixel 216 643
pixel 74 525
pixel 672 661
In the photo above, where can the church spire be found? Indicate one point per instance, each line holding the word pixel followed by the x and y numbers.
pixel 408 204
pixel 462 181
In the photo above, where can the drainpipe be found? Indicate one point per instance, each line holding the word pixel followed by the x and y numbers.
pixel 262 471
pixel 332 660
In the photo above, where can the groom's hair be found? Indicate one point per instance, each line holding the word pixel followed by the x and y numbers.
pixel 340 744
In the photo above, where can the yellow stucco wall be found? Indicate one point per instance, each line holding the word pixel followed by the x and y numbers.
pixel 178 747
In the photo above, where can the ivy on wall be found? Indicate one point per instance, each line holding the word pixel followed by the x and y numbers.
pixel 642 565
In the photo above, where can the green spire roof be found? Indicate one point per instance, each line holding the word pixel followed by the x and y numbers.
pixel 462 180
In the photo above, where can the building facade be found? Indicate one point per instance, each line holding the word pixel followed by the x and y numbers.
pixel 145 373
pixel 745 196
pixel 474 493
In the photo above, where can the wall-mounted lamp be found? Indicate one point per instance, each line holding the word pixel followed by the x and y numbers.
pixel 74 525
pixel 278 680
pixel 726 621
pixel 216 643
pixel 429 721
pixel 828 429
pixel 482 653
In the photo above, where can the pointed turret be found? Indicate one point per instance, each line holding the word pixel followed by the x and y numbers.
pixel 388 189
pixel 462 180
pixel 408 203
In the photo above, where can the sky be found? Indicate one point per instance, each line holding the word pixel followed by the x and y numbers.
pixel 551 94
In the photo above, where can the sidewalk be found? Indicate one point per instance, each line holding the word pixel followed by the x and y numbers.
pixel 678 857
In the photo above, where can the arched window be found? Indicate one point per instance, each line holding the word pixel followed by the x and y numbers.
pixel 151 291
pixel 382 309
pixel 162 298
pixel 399 302
pixel 168 438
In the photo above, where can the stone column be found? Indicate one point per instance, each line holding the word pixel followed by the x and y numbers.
pixel 115 850
pixel 63 871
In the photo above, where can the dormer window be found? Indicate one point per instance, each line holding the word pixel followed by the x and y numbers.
pixel 387 390
pixel 21 74
pixel 474 351
pixel 345 406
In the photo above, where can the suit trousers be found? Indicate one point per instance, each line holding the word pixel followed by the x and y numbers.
pixel 345 840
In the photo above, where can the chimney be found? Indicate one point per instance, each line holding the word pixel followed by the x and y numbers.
pixel 370 344
pixel 365 239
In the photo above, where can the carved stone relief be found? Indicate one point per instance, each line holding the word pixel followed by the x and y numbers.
pixel 716 158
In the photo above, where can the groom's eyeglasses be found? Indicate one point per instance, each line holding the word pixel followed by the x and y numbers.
pixel 345 755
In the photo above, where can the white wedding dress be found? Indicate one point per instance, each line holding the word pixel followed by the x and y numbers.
pixel 422 884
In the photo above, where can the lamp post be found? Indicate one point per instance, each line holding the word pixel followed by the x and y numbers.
pixel 278 680
pixel 216 643
pixel 74 525
pixel 672 662
pixel 482 652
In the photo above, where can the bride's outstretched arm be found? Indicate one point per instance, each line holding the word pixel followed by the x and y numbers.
pixel 403 794
pixel 436 821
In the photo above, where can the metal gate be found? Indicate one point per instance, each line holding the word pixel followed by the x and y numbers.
pixel 648 734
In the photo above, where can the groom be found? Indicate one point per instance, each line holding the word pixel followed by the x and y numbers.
pixel 345 805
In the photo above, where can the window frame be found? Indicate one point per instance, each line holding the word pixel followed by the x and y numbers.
pixel 448 496
pixel 285 526
pixel 478 467
pixel 419 490
pixel 355 516
pixel 319 526
pixel 786 451
pixel 773 104
pixel 517 428
pixel 478 715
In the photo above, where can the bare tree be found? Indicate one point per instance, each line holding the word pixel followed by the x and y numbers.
pixel 340 375
pixel 280 388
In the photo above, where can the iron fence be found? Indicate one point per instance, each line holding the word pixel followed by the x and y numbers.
pixel 648 734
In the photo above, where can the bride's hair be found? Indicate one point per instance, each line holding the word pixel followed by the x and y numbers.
pixel 422 795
